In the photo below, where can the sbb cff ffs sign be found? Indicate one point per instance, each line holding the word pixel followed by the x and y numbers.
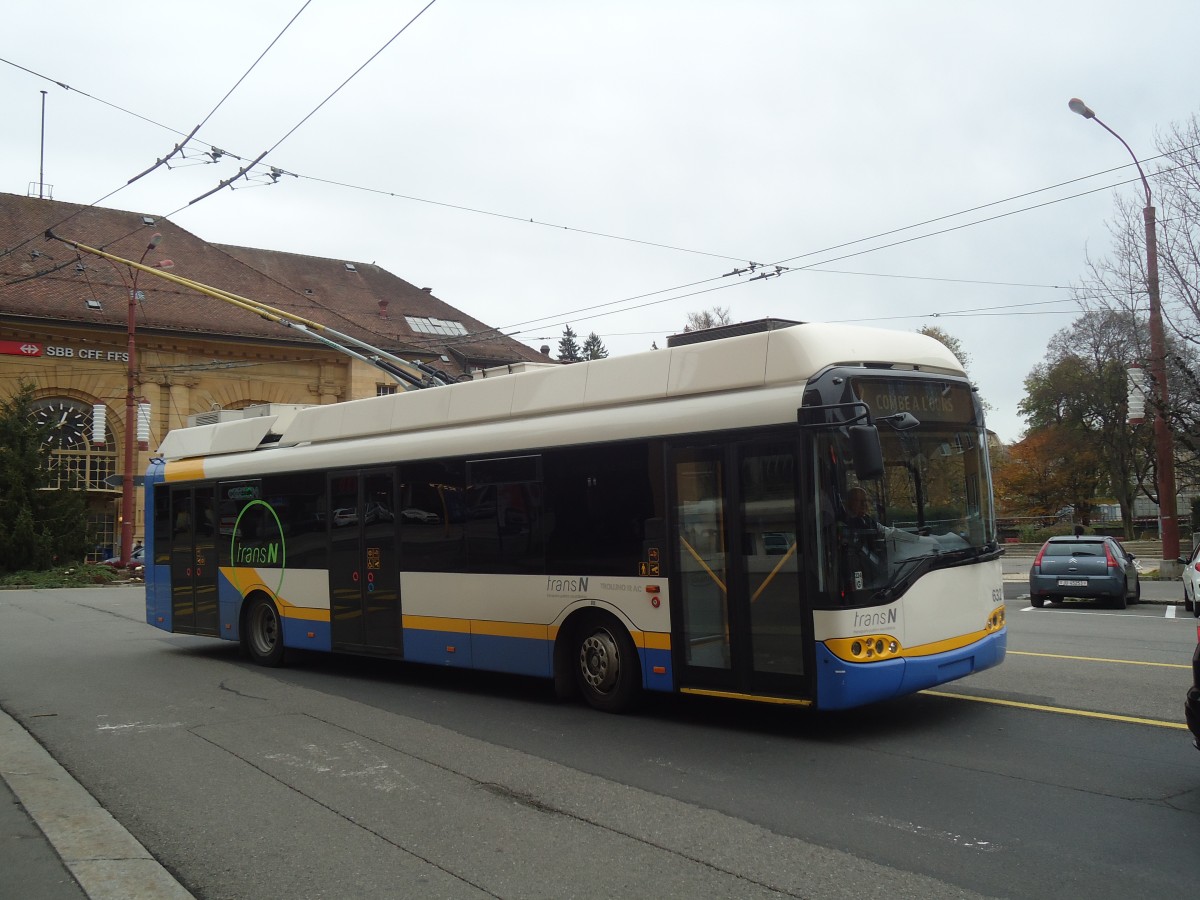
pixel 29 348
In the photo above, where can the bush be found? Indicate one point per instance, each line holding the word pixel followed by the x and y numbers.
pixel 63 577
pixel 1037 534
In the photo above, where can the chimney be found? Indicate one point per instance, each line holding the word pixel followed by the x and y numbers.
pixel 545 349
pixel 383 305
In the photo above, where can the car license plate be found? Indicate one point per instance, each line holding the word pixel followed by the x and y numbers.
pixel 1063 582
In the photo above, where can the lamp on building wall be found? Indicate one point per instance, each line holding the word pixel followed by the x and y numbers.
pixel 99 416
pixel 134 416
pixel 1164 444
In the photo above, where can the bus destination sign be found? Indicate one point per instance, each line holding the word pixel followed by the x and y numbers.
pixel 928 401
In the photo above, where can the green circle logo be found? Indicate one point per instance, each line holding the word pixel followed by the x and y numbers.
pixel 267 553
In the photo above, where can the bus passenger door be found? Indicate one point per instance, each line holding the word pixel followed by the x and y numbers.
pixel 740 623
pixel 194 607
pixel 364 569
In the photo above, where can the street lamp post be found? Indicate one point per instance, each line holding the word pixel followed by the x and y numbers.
pixel 128 504
pixel 1164 445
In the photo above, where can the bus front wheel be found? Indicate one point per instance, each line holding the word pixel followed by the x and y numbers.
pixel 606 664
pixel 262 636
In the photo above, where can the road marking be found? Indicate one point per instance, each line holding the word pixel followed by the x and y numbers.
pixel 1170 611
pixel 1170 614
pixel 1127 662
pixel 1066 711
pixel 947 836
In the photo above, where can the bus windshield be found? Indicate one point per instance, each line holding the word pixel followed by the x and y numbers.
pixel 931 507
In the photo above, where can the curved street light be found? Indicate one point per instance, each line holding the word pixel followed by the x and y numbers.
pixel 128 502
pixel 1164 445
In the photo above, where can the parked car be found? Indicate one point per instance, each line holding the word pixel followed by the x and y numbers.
pixel 1087 566
pixel 137 560
pixel 1191 578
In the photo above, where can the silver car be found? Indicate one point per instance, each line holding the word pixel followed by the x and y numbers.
pixel 1087 566
pixel 1191 580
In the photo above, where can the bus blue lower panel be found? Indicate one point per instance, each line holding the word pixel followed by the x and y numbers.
pixel 662 659
pixel 305 634
pixel 158 597
pixel 842 685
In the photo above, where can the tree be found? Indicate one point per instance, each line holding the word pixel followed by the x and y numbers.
pixel 593 347
pixel 568 346
pixel 707 318
pixel 1116 282
pixel 1080 392
pixel 1044 472
pixel 38 526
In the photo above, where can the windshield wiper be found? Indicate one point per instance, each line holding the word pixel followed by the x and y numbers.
pixel 907 571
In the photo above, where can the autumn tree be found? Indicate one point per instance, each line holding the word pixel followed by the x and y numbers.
pixel 1045 472
pixel 1079 393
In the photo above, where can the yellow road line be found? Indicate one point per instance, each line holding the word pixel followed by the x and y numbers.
pixel 1126 662
pixel 1112 717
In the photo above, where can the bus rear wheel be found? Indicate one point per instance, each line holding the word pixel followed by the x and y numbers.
pixel 262 636
pixel 606 667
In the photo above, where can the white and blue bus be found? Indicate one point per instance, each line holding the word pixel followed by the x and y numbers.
pixel 676 521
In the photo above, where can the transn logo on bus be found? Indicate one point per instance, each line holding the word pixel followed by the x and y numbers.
pixel 567 585
pixel 875 619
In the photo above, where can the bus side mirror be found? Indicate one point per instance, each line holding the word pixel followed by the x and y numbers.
pixel 868 454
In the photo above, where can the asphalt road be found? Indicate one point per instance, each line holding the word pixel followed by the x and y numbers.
pixel 1064 771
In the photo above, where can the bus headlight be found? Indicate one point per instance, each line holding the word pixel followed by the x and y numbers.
pixel 869 648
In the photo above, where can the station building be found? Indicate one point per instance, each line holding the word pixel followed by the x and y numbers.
pixel 82 330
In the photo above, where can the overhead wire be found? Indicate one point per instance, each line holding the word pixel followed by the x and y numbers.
pixel 178 146
pixel 497 332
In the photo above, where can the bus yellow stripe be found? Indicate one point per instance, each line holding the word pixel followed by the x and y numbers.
pixel 652 640
pixel 953 643
pixel 184 470
pixel 757 698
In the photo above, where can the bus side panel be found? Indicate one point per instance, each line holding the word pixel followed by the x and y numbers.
pixel 301 596
pixel 229 608
pixel 158 578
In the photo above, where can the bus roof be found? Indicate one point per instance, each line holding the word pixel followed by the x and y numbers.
pixel 770 359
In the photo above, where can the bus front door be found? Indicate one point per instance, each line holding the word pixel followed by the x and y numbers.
pixel 193 561
pixel 364 564
pixel 741 626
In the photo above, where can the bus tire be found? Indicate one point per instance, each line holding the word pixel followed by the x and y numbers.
pixel 607 668
pixel 262 633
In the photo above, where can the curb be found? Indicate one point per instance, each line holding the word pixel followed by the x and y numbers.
pixel 106 860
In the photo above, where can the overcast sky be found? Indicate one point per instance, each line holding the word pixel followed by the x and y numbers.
pixel 544 162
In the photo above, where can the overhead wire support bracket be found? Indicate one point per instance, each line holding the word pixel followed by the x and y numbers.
pixel 165 159
pixel 231 179
pixel 412 374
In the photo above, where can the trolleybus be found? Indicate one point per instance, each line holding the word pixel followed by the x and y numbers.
pixel 676 520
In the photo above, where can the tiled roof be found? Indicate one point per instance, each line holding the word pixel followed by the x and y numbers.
pixel 42 279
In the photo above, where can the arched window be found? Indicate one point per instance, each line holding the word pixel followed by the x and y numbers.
pixel 74 460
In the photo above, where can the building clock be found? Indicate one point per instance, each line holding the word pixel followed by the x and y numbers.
pixel 67 424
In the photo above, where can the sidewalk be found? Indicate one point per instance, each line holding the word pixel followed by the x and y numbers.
pixel 57 842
